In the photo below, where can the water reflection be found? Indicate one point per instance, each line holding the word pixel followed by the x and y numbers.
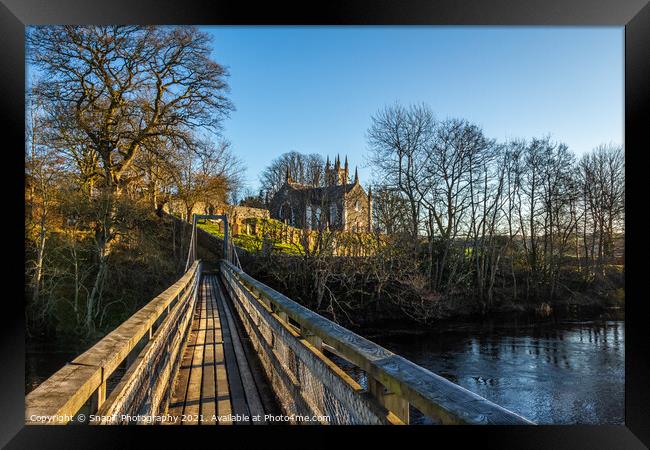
pixel 551 373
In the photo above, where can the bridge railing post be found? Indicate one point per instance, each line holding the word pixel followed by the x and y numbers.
pixel 283 316
pixel 390 400
pixel 99 397
pixel 310 337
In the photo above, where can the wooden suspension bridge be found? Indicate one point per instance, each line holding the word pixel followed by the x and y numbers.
pixel 220 347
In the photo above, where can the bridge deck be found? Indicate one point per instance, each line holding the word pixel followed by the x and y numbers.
pixel 217 379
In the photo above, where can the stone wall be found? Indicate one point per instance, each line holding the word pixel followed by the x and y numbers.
pixel 237 215
pixel 356 209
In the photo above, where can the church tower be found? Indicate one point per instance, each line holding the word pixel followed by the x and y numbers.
pixel 336 175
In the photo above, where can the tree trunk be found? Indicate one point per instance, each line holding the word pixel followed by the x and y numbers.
pixel 103 238
pixel 40 253
pixel 92 304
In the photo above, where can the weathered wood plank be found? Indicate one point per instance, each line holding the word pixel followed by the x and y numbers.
pixel 175 349
pixel 208 392
pixel 236 388
pixel 253 398
pixel 224 406
pixel 63 394
pixel 177 399
pixel 193 398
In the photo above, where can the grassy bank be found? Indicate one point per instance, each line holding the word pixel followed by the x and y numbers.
pixel 257 243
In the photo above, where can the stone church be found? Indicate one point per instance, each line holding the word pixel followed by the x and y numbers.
pixel 339 205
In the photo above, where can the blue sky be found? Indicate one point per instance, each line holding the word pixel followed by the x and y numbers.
pixel 314 89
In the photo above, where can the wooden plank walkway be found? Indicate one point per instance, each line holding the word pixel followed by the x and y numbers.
pixel 215 384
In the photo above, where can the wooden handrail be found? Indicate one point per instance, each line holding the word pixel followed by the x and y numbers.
pixel 59 398
pixel 432 394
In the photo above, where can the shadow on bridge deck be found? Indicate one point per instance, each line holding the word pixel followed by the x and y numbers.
pixel 220 380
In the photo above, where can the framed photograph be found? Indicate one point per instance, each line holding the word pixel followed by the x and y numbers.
pixel 382 220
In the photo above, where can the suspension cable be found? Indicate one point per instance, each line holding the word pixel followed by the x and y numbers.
pixel 190 250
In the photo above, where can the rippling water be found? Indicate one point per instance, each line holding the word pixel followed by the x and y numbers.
pixel 550 373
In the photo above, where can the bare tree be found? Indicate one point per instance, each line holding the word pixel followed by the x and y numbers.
pixel 602 186
pixel 492 213
pixel 399 138
pixel 303 168
pixel 206 174
pixel 115 88
pixel 388 211
pixel 43 171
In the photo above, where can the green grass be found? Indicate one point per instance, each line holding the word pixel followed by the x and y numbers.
pixel 274 230
pixel 253 244
pixel 211 228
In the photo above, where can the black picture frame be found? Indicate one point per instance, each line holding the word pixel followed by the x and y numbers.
pixel 633 14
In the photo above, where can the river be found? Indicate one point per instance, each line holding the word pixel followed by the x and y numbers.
pixel 554 372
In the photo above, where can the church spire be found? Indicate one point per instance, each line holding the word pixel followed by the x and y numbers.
pixel 288 175
pixel 356 175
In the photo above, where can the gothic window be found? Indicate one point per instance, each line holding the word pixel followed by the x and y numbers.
pixel 308 217
pixel 333 218
pixel 357 206
pixel 317 216
pixel 285 213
